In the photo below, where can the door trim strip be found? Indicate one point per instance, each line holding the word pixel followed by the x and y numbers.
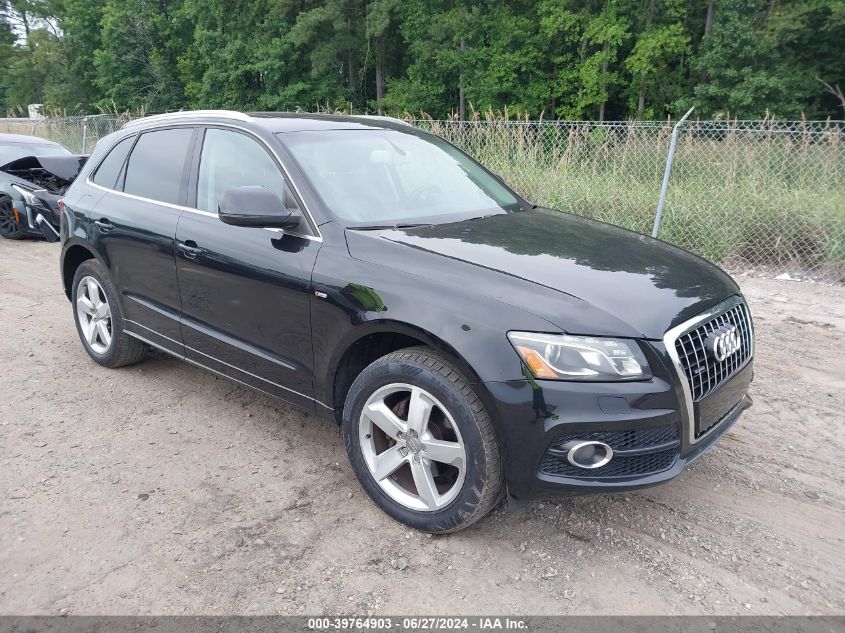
pixel 235 342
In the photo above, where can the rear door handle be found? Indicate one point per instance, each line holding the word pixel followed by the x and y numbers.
pixel 189 249
pixel 104 225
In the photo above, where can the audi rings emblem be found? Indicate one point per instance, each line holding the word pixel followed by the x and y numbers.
pixel 723 342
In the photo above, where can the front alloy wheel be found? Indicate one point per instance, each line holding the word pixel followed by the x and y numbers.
pixel 412 447
pixel 421 441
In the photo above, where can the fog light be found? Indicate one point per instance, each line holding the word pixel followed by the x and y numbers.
pixel 588 454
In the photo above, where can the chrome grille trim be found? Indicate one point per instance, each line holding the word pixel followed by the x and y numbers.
pixel 684 332
pixel 705 374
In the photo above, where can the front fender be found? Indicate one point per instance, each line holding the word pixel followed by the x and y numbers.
pixel 354 298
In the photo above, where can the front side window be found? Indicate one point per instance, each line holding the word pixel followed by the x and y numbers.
pixel 157 164
pixel 107 172
pixel 230 159
pixel 388 177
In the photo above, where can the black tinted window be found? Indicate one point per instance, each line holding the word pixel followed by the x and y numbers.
pixel 156 164
pixel 108 170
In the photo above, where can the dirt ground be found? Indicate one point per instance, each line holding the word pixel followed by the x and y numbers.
pixel 160 489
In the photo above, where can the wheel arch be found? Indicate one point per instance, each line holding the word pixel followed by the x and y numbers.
pixel 73 255
pixel 372 340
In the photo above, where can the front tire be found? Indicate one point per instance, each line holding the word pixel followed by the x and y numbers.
pixel 10 227
pixel 421 442
pixel 99 320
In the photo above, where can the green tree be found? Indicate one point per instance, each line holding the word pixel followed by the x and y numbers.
pixel 332 35
pixel 655 62
pixel 80 27
pixel 585 59
pixel 436 38
pixel 380 33
pixel 136 64
pixel 807 42
pixel 241 59
pixel 590 37
pixel 505 62
pixel 738 67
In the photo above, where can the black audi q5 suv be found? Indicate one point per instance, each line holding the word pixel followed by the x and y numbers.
pixel 470 344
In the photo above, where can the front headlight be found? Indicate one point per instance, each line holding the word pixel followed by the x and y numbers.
pixel 30 199
pixel 565 357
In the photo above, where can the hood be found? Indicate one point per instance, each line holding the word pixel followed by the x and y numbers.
pixel 623 276
pixel 54 173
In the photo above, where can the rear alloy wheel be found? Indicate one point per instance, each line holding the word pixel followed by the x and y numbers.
pixel 10 226
pixel 421 442
pixel 98 319
pixel 94 314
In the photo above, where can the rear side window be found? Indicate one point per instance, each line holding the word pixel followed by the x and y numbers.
pixel 106 175
pixel 157 163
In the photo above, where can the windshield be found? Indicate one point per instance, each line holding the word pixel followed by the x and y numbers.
pixel 14 151
pixel 386 177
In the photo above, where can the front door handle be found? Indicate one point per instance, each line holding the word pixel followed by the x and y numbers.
pixel 189 249
pixel 104 225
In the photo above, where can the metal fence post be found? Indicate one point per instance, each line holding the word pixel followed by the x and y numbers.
pixel 84 134
pixel 665 186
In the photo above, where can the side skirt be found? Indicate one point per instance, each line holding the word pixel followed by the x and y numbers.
pixel 322 406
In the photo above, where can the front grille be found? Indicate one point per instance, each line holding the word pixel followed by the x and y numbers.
pixel 704 373
pixel 643 463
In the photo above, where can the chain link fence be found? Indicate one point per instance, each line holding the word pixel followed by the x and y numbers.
pixel 78 133
pixel 763 195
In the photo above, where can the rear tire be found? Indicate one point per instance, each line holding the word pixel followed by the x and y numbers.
pixel 419 388
pixel 10 228
pixel 99 320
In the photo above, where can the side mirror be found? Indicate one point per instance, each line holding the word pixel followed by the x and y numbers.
pixel 257 206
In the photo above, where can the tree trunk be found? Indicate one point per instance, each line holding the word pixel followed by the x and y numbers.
pixel 601 105
pixel 380 68
pixel 711 13
pixel 462 99
pixel 641 102
pixel 350 63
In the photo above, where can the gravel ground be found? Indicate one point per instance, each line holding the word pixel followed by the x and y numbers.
pixel 160 489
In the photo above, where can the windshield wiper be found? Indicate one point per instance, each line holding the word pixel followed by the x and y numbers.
pixel 400 225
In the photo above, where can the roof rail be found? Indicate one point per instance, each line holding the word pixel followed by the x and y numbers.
pixel 378 117
pixel 182 114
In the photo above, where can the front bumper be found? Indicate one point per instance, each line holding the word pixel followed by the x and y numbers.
pixel 28 215
pixel 645 423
